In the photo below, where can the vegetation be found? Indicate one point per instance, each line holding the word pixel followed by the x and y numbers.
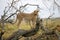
pixel 9 28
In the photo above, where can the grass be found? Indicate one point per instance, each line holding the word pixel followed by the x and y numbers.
pixel 9 28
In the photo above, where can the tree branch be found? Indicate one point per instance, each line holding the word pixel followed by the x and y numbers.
pixel 56 3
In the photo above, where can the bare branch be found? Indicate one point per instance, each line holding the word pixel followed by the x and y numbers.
pixel 12 4
pixel 51 15
pixel 15 1
pixel 46 6
pixel 10 15
pixel 22 7
pixel 30 5
pixel 56 3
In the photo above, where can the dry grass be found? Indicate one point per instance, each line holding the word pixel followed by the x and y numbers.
pixel 9 28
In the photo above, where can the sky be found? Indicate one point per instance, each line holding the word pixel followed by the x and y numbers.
pixel 44 12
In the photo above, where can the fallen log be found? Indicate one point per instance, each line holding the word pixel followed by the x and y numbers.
pixel 25 33
pixel 16 34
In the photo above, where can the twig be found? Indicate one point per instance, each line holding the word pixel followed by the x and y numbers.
pixel 51 15
pixel 30 5
pixel 56 3
pixel 11 15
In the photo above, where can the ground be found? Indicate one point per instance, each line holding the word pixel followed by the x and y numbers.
pixel 10 28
